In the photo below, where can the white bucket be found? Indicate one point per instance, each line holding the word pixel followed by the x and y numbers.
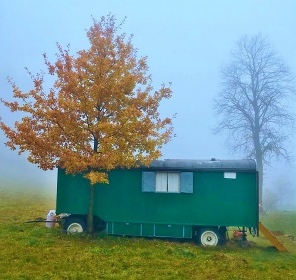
pixel 50 219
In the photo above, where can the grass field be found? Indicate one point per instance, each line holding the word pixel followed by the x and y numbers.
pixel 32 251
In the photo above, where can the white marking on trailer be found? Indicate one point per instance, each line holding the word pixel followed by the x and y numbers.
pixel 230 175
pixel 183 231
pixel 141 230
pixel 153 229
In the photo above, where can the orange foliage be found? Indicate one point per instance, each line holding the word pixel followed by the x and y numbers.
pixel 100 112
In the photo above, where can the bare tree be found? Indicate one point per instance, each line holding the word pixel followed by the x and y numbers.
pixel 253 105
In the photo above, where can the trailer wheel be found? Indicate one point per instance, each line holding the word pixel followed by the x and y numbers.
pixel 74 225
pixel 208 237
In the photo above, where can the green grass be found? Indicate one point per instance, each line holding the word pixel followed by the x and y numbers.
pixel 32 251
pixel 279 221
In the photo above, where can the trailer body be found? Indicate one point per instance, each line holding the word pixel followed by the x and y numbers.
pixel 170 198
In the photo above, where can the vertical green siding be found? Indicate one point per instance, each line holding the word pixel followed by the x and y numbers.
pixel 215 201
pixel 149 230
pixel 72 194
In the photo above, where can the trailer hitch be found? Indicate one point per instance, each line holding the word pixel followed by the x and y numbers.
pixel 58 219
pixel 41 220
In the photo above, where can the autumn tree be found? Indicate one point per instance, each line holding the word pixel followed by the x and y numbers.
pixel 100 113
pixel 253 105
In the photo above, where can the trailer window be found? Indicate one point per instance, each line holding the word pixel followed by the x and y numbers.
pixel 171 182
pixel 167 182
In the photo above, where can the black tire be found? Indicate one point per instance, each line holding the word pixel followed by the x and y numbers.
pixel 208 237
pixel 74 225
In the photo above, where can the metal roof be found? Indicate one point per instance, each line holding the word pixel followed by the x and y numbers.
pixel 186 164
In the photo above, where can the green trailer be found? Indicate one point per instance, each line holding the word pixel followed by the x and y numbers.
pixel 196 199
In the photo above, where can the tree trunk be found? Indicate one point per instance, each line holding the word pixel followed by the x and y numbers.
pixel 259 160
pixel 260 171
pixel 258 155
pixel 90 216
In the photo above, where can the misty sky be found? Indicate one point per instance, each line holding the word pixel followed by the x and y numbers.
pixel 186 42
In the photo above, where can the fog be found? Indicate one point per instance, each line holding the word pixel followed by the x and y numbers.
pixel 186 42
